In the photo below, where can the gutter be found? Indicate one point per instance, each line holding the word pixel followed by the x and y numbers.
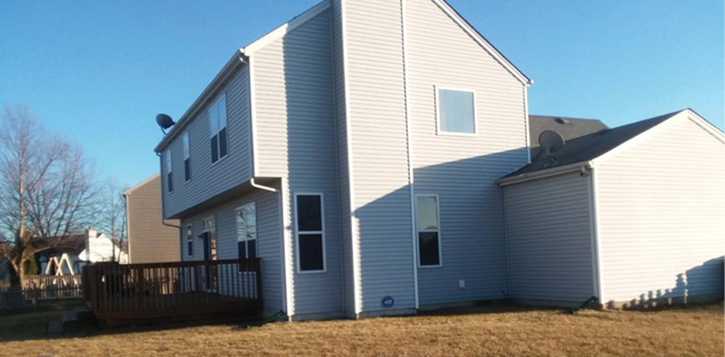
pixel 209 92
pixel 579 166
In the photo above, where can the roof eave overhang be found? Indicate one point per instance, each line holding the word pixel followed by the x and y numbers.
pixel 554 171
pixel 209 93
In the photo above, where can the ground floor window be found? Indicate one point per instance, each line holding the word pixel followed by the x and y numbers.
pixel 247 231
pixel 427 222
pixel 309 232
pixel 210 251
pixel 189 241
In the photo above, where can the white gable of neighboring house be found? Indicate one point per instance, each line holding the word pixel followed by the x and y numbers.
pixel 102 249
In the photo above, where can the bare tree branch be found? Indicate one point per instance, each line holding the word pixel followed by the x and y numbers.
pixel 46 188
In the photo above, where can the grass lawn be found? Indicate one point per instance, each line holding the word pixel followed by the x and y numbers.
pixel 496 330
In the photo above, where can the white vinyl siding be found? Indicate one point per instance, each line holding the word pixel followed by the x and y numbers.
pixel 380 174
pixel 462 169
pixel 549 239
pixel 296 139
pixel 211 180
pixel 661 204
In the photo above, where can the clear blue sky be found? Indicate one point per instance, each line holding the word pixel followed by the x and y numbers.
pixel 99 71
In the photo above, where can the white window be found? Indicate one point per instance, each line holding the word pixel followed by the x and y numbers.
pixel 218 129
pixel 169 176
pixel 189 240
pixel 427 221
pixel 456 111
pixel 247 231
pixel 310 235
pixel 187 162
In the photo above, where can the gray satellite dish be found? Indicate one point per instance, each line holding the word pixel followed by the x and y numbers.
pixel 550 141
pixel 164 121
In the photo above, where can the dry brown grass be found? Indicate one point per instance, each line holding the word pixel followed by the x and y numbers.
pixel 481 332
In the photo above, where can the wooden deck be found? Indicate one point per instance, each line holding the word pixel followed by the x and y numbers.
pixel 173 291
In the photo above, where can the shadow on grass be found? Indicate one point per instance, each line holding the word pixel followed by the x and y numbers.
pixel 33 326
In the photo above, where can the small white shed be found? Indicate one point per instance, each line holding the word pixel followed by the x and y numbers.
pixel 633 216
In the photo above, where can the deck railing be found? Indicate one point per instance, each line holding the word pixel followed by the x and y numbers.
pixel 163 289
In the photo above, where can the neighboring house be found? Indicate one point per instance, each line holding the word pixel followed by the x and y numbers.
pixel 62 255
pixel 149 239
pixel 628 215
pixel 355 150
pixel 69 254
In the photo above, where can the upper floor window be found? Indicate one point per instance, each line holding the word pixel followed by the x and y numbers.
pixel 247 231
pixel 456 111
pixel 309 229
pixel 169 175
pixel 429 244
pixel 187 160
pixel 218 129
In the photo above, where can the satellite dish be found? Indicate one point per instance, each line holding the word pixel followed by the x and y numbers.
pixel 164 121
pixel 551 141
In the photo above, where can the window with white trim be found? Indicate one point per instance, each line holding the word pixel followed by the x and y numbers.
pixel 169 175
pixel 456 111
pixel 187 157
pixel 310 234
pixel 427 218
pixel 218 129
pixel 189 240
pixel 247 231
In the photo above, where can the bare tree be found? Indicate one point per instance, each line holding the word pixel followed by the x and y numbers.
pixel 112 214
pixel 45 188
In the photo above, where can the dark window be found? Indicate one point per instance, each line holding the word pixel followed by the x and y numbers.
pixel 428 244
pixel 311 252
pixel 214 149
pixel 310 241
pixel 309 215
pixel 223 143
pixel 242 247
pixel 252 249
pixel 170 181
pixel 187 169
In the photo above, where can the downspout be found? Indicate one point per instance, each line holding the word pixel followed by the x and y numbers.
pixel 596 244
pixel 411 178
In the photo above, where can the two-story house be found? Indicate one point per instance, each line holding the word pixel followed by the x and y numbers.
pixel 355 151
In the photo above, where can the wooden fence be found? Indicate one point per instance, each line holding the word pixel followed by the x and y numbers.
pixel 42 291
pixel 39 282
pixel 172 289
